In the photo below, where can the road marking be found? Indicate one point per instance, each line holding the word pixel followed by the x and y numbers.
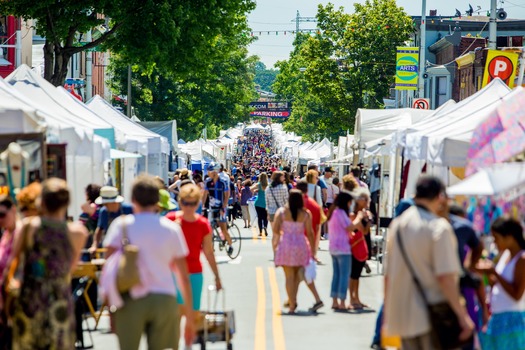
pixel 277 322
pixel 260 320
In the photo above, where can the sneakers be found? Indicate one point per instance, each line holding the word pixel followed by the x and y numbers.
pixel 230 250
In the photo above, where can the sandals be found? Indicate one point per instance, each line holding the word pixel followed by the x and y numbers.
pixel 317 306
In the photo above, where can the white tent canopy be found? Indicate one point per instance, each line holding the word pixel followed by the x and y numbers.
pixel 139 139
pixel 373 124
pixel 500 179
pixel 85 151
pixel 428 143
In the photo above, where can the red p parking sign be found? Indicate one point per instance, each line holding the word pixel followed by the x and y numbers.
pixel 501 64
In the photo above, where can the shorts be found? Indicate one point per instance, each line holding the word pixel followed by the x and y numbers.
pixel 214 214
pixel 357 268
pixel 196 283
pixel 272 217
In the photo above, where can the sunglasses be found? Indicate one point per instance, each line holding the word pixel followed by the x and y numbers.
pixel 3 214
pixel 188 204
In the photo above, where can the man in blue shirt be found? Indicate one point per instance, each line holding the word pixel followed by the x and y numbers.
pixel 218 191
pixel 112 208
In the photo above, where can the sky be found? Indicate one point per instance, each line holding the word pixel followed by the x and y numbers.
pixel 277 15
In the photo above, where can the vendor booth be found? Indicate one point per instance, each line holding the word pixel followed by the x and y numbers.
pixel 83 134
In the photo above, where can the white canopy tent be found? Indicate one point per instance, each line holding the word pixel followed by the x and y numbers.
pixel 371 124
pixel 427 143
pixel 86 152
pixel 500 179
pixel 139 139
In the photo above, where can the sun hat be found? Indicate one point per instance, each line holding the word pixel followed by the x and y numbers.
pixel 165 200
pixel 109 194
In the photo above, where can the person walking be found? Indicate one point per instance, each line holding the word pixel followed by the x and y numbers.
pixel 506 326
pixel 291 248
pixel 260 203
pixel 358 244
pixel 276 194
pixel 429 247
pixel 246 194
pixel 340 227
pixel 49 249
pixel 314 190
pixel 315 214
pixel 197 232
pixel 151 306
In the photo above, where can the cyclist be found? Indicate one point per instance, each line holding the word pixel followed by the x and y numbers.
pixel 219 192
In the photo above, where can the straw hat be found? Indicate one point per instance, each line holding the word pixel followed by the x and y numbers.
pixel 109 194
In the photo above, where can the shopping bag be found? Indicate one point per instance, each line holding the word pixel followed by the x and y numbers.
pixel 310 271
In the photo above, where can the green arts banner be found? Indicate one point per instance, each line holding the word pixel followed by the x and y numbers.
pixel 407 68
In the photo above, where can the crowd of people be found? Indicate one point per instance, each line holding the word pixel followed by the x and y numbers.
pixel 434 257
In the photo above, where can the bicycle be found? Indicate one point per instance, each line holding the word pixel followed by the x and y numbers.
pixel 235 235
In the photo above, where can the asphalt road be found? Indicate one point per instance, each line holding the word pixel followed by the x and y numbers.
pixel 255 291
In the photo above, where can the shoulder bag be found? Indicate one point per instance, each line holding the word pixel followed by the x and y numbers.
pixel 443 319
pixel 128 272
pixel 275 199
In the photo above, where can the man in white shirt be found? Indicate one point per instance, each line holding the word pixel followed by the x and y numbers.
pixel 150 306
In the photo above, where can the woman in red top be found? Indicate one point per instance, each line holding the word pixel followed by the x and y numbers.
pixel 358 244
pixel 197 231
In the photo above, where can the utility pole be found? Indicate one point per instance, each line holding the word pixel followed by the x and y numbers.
pixel 422 49
pixel 298 19
pixel 129 91
pixel 493 27
pixel 89 69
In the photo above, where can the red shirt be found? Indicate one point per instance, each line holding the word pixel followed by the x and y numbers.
pixel 315 210
pixel 194 233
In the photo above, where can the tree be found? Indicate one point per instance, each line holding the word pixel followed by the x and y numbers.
pixel 215 98
pixel 348 64
pixel 264 77
pixel 176 35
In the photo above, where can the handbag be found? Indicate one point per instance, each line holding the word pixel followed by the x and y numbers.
pixel 359 247
pixel 443 320
pixel 128 272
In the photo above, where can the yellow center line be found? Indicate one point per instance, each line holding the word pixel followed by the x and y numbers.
pixel 277 322
pixel 260 321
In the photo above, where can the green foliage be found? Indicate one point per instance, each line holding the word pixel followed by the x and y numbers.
pixel 175 35
pixel 348 64
pixel 215 98
pixel 265 77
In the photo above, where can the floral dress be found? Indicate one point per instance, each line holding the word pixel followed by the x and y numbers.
pixel 43 314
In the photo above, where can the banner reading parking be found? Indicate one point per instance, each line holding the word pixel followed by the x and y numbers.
pixel 501 64
pixel 407 68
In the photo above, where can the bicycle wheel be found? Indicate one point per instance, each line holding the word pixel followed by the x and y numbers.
pixel 235 235
pixel 217 239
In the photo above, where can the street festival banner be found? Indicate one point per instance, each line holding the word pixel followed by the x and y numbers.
pixel 501 64
pixel 270 109
pixel 407 68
